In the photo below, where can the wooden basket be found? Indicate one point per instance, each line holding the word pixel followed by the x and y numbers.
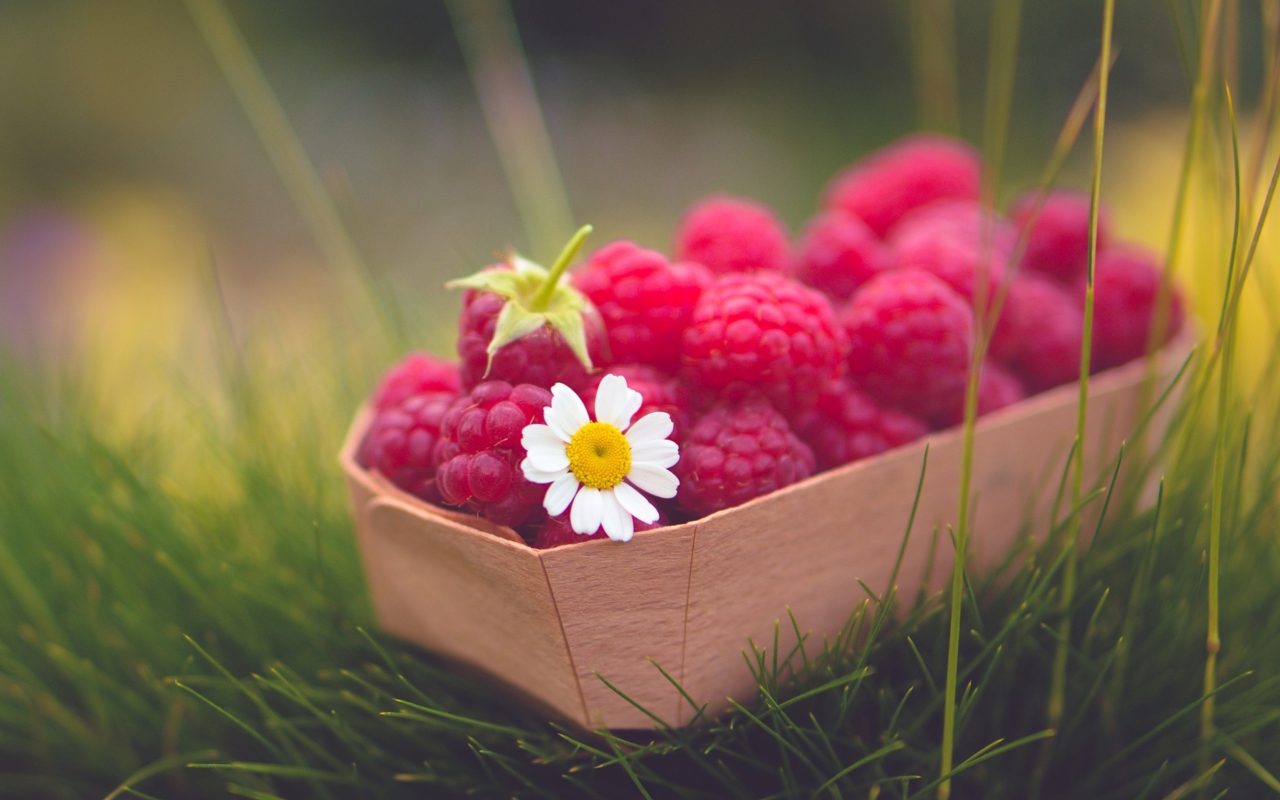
pixel 548 624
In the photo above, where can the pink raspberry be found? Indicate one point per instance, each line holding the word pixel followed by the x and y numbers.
pixel 1058 245
pixel 910 341
pixel 542 358
pixel 661 392
pixel 730 234
pixel 952 239
pixel 479 451
pixel 998 388
pixel 1125 284
pixel 736 452
pixel 401 442
pixel 644 300
pixel 906 175
pixel 557 531
pixel 838 253
pixel 764 332
pixel 1039 333
pixel 847 425
pixel 416 373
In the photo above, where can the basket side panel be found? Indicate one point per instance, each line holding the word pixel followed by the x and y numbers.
pixel 471 597
pixel 622 604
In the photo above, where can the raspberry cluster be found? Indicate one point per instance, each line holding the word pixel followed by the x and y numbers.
pixel 772 358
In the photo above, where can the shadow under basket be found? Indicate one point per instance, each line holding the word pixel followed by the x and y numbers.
pixel 549 624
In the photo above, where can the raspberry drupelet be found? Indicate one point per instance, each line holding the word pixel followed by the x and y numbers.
pixel 401 442
pixel 906 175
pixel 416 373
pixel 956 241
pixel 730 234
pixel 644 301
pixel 1058 243
pixel 1039 334
pixel 661 392
pixel 479 451
pixel 737 452
pixel 1126 284
pixel 838 253
pixel 910 339
pixel 998 387
pixel 765 333
pixel 847 425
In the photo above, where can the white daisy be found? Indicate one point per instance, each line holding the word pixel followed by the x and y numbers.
pixel 598 466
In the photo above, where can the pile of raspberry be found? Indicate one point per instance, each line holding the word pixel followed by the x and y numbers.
pixel 775 356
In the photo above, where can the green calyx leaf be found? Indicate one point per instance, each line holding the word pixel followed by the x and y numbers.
pixel 535 297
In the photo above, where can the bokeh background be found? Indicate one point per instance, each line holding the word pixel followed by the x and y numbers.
pixel 131 181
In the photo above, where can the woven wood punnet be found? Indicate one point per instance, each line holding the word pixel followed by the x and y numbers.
pixel 546 624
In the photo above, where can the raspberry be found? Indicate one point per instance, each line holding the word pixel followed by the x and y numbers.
pixel 660 391
pixel 998 388
pixel 838 253
pixel 906 175
pixel 479 451
pixel 1125 283
pixel 557 531
pixel 542 358
pixel 1039 333
pixel 1058 245
pixel 401 441
pixel 416 373
pixel 848 425
pixel 952 239
pixel 730 234
pixel 736 452
pixel 910 338
pixel 768 333
pixel 644 300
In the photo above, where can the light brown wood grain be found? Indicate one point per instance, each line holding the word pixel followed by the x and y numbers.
pixel 690 597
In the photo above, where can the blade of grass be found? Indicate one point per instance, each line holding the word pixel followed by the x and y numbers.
pixel 933 52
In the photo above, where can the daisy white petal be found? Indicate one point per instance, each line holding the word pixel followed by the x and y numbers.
pixel 535 475
pixel 567 413
pixel 656 426
pixel 662 454
pixel 540 436
pixel 618 524
pixel 615 403
pixel 654 480
pixel 635 503
pixel 549 459
pixel 560 494
pixel 587 512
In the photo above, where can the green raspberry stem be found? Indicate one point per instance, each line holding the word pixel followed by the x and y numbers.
pixel 542 299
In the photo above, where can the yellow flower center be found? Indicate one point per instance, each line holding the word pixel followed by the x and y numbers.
pixel 599 455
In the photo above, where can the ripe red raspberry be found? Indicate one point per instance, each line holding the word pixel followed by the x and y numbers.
pixel 401 442
pixel 910 341
pixel 542 358
pixel 764 332
pixel 954 240
pixel 644 300
pixel 906 175
pixel 661 392
pixel 1058 245
pixel 730 234
pixel 848 425
pixel 557 531
pixel 838 253
pixel 416 373
pixel 999 387
pixel 1039 333
pixel 479 451
pixel 1125 285
pixel 736 452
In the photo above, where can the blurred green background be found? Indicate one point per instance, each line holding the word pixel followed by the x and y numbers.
pixel 127 168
